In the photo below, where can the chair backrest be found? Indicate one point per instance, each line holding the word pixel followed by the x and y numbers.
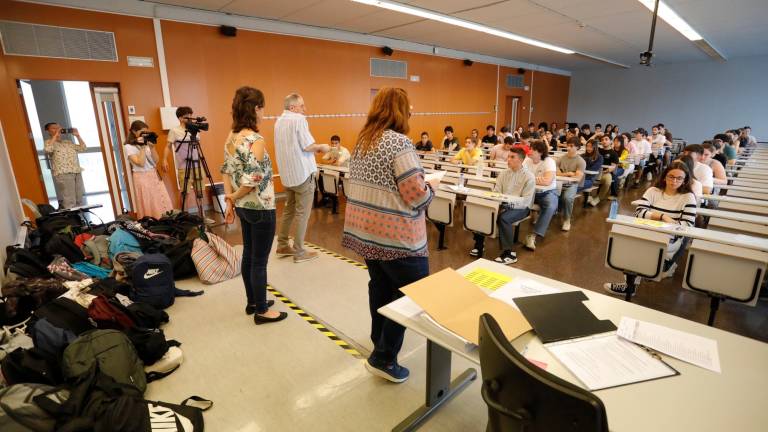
pixel 331 182
pixel 451 168
pixel 480 216
pixel 523 397
pixel 726 271
pixel 427 165
pixel 636 250
pixel 440 210
pixel 479 184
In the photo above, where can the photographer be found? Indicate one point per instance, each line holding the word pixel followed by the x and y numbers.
pixel 65 165
pixel 151 196
pixel 178 141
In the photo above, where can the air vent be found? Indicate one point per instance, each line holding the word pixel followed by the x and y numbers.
pixel 515 81
pixel 389 68
pixel 61 42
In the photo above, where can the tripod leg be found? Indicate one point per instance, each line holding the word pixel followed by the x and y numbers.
pixel 208 176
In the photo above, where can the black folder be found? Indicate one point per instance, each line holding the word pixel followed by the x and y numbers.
pixel 561 316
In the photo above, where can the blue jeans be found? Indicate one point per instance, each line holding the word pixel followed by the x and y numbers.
pixel 506 230
pixel 548 203
pixel 567 196
pixel 258 228
pixel 387 277
pixel 615 183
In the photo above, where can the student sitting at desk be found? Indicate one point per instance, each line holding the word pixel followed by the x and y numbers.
pixel 338 155
pixel 703 173
pixel 470 154
pixel 696 187
pixel 525 139
pixel 594 161
pixel 570 165
pixel 500 152
pixel 670 201
pixel 708 159
pixel 611 162
pixel 490 136
pixel 450 142
pixel 424 145
pixel 544 170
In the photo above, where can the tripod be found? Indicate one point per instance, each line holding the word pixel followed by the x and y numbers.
pixel 195 166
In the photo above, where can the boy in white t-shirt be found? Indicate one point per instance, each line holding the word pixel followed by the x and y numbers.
pixel 640 152
pixel 544 170
pixel 701 172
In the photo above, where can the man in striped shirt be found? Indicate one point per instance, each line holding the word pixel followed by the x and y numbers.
pixel 295 149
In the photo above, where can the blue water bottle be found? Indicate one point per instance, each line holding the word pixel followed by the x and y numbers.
pixel 614 209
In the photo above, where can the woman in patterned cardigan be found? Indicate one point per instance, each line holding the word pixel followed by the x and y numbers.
pixel 384 220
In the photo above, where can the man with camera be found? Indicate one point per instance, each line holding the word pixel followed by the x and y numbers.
pixel 178 142
pixel 295 149
pixel 65 165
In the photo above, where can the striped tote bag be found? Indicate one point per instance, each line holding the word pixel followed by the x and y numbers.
pixel 215 259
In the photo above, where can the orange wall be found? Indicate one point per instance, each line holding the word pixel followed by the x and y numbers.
pixel 205 68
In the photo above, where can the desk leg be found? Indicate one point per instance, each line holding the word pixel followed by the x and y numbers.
pixel 440 388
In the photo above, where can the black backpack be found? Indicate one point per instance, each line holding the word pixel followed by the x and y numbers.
pixel 62 244
pixel 66 314
pixel 50 339
pixel 31 366
pixel 181 260
pixel 152 277
pixel 25 263
pixel 145 315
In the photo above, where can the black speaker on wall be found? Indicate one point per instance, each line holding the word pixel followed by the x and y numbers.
pixel 468 62
pixel 228 31
pixel 521 71
pixel 387 51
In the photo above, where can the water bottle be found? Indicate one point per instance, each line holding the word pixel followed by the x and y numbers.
pixel 461 180
pixel 479 168
pixel 614 209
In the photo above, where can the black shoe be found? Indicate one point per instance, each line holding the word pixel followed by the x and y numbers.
pixel 251 309
pixel 258 319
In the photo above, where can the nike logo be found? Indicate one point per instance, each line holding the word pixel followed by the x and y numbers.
pixel 152 273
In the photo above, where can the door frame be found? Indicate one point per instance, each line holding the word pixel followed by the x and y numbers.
pixel 30 138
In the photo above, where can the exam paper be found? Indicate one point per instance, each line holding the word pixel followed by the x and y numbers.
pixel 608 361
pixel 522 287
pixel 687 347
pixel 406 307
pixel 437 175
pixel 487 279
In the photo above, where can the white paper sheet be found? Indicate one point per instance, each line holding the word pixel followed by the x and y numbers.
pixel 687 347
pixel 522 287
pixel 406 307
pixel 608 361
pixel 437 175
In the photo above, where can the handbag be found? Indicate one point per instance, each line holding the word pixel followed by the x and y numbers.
pixel 215 259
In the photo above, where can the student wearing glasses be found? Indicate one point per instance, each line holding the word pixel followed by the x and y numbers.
pixel 670 201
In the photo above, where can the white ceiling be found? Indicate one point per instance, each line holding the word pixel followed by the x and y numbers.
pixel 617 30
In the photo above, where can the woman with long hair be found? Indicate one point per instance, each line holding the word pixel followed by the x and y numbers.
pixel 623 155
pixel 152 197
pixel 384 220
pixel 250 193
pixel 672 202
pixel 594 161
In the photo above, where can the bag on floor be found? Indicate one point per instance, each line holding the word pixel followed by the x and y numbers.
pixel 22 296
pixel 25 263
pixel 66 314
pixel 30 366
pixel 181 259
pixel 108 316
pixel 146 316
pixel 152 278
pixel 150 344
pixel 62 269
pixel 62 244
pixel 50 339
pixel 122 241
pixel 19 413
pixel 215 259
pixel 108 350
pixel 165 365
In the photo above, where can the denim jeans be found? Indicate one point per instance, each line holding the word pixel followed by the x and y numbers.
pixel 615 184
pixel 548 203
pixel 567 196
pixel 258 227
pixel 506 230
pixel 383 288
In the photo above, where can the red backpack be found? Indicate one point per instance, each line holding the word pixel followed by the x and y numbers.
pixel 108 316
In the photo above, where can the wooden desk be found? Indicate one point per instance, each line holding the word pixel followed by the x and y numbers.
pixel 696 400
pixel 736 200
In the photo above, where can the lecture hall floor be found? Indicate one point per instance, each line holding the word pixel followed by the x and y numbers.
pixel 290 376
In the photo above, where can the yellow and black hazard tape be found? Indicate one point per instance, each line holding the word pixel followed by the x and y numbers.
pixel 335 255
pixel 316 324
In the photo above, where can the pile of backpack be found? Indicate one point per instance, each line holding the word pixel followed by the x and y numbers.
pixel 81 311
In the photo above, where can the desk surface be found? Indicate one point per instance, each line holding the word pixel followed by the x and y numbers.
pixel 736 200
pixel 696 400
pixel 734 215
pixel 341 169
pixel 740 240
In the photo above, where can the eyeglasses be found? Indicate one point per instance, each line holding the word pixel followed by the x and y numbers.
pixel 676 178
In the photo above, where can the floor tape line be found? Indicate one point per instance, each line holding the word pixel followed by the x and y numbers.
pixel 336 255
pixel 325 331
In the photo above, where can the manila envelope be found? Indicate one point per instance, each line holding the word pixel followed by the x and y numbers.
pixel 456 304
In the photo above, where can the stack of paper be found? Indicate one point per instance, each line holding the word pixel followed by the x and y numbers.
pixel 487 279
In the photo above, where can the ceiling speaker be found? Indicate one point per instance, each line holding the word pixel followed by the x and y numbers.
pixel 387 51
pixel 228 31
pixel 468 62
pixel 521 71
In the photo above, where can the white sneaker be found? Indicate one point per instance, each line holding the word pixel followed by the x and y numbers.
pixel 618 288
pixel 530 241
pixel 567 225
pixel 594 201
pixel 649 176
pixel 671 272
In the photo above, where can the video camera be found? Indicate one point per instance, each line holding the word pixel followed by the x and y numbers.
pixel 66 130
pixel 149 137
pixel 197 124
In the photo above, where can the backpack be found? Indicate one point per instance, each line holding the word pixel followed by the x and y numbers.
pixel 146 316
pixel 50 339
pixel 215 259
pixel 62 244
pixel 108 316
pixel 66 314
pixel 30 366
pixel 109 351
pixel 150 344
pixel 25 263
pixel 22 296
pixel 122 241
pixel 152 277
pixel 181 260
pixel 18 412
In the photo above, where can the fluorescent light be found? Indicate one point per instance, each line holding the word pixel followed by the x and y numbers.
pixel 672 18
pixel 447 19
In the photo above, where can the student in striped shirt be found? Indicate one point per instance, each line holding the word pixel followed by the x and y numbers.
pixel 670 201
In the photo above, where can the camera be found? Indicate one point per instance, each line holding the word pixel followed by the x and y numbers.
pixel 645 58
pixel 197 124
pixel 149 137
pixel 66 130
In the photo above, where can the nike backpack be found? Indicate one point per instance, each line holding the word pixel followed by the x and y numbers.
pixel 152 277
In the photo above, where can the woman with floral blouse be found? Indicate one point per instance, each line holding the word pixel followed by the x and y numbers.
pixel 250 193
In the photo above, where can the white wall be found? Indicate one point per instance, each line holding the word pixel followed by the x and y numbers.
pixel 694 100
pixel 11 213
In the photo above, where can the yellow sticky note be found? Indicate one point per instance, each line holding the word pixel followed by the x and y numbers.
pixel 487 279
pixel 649 222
